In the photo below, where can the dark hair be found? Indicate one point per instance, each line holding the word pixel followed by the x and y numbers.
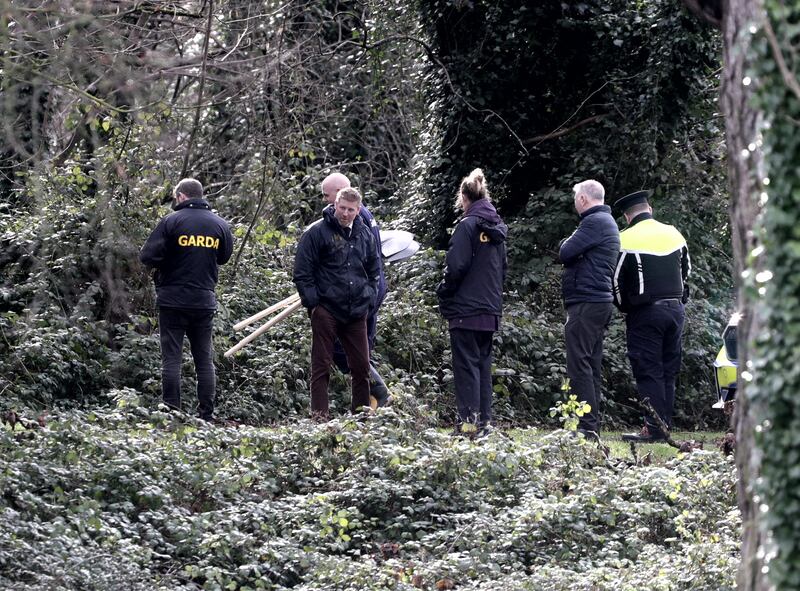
pixel 473 187
pixel 190 187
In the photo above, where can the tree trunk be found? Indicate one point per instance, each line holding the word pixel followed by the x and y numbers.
pixel 741 120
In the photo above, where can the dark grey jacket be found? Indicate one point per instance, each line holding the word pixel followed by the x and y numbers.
pixel 476 265
pixel 589 256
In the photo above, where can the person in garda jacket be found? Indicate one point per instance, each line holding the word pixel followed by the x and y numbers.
pixel 650 289
pixel 589 256
pixel 185 249
pixel 377 388
pixel 336 271
pixel 471 299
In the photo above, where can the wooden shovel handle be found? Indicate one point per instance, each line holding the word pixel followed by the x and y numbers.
pixel 267 311
pixel 259 331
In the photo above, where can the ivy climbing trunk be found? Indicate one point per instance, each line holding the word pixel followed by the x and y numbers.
pixel 760 55
pixel 741 119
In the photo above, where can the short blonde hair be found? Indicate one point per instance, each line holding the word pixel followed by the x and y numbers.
pixel 474 186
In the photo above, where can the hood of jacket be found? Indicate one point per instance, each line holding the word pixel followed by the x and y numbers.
pixel 488 220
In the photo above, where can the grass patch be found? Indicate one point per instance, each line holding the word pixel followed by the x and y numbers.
pixel 706 440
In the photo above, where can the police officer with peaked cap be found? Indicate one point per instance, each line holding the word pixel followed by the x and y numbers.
pixel 650 289
pixel 186 248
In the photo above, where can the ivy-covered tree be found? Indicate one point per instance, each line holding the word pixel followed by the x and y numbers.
pixel 761 101
pixel 544 94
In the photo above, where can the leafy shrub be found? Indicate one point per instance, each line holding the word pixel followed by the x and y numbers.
pixel 139 499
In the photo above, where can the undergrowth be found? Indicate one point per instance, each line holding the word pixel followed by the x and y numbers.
pixel 132 498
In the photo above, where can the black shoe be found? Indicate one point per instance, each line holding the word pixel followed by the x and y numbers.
pixel 589 434
pixel 484 431
pixel 644 436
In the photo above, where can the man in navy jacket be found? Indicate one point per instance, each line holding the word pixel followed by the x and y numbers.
pixel 186 248
pixel 377 388
pixel 336 273
pixel 589 256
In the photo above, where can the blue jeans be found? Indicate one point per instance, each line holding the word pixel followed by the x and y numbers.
pixel 197 325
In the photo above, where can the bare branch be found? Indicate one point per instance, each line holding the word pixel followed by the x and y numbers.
pixel 196 123
pixel 565 130
pixel 788 76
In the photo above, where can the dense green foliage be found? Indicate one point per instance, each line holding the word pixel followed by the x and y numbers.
pixel 139 499
pixel 775 290
pixel 544 95
pixel 105 109
pixel 77 315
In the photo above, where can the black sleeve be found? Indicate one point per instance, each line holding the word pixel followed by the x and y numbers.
pixel 458 261
pixel 585 237
pixel 306 261
pixel 686 270
pixel 373 267
pixel 155 248
pixel 226 248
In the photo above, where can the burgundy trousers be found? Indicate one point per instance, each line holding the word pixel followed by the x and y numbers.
pixel 325 329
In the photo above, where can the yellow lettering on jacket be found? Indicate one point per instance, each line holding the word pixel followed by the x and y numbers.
pixel 484 237
pixel 203 241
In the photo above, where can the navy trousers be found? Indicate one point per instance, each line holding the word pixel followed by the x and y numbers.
pixel 472 374
pixel 197 325
pixel 654 349
pixel 583 334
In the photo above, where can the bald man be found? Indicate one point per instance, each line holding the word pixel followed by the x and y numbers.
pixel 331 185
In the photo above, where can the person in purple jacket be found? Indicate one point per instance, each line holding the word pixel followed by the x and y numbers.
pixel 471 299
pixel 589 256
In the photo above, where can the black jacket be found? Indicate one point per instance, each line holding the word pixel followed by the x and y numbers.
pixel 337 271
pixel 589 256
pixel 186 248
pixel 476 265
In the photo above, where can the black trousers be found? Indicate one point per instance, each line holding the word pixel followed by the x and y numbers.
pixel 654 349
pixel 472 374
pixel 583 333
pixel 197 325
